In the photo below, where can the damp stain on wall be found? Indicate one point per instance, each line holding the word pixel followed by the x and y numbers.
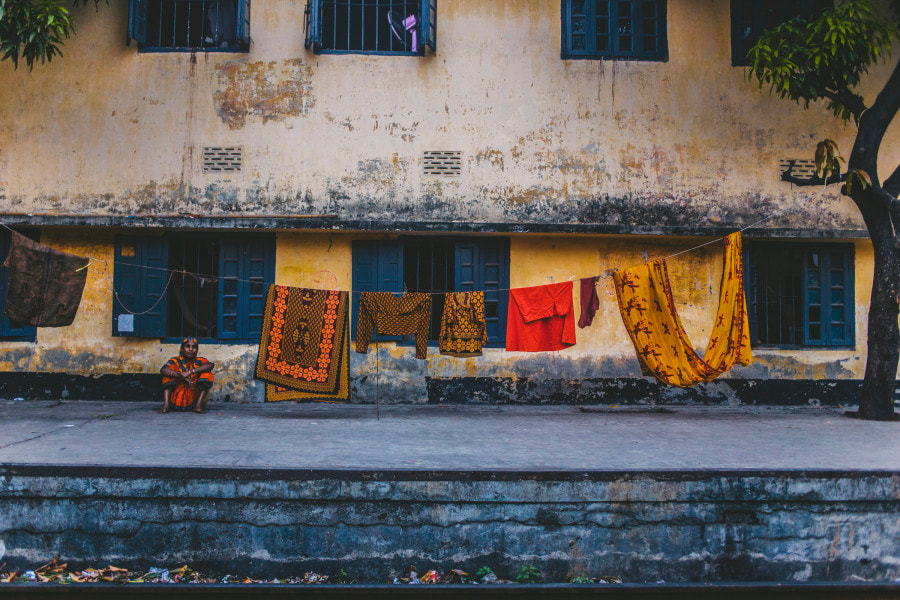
pixel 266 90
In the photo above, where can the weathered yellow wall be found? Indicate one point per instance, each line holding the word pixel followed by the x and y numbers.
pixel 108 130
pixel 324 260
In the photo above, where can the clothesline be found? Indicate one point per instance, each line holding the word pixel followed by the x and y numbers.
pixel 186 273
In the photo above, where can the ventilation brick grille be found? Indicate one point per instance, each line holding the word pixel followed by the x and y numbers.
pixel 222 159
pixel 447 163
pixel 803 168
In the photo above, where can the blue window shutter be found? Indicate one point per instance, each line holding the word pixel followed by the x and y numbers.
pixel 137 22
pixel 814 310
pixel 428 25
pixel 230 267
pixel 377 267
pixel 365 276
pixel 313 17
pixel 390 267
pixel 139 285
pixel 155 278
pixel 8 331
pixel 494 280
pixel 243 23
pixel 258 268
pixel 838 299
pixel 127 281
pixel 466 261
pixel 484 265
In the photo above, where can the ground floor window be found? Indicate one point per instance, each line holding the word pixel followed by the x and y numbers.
pixel 209 287
pixel 443 265
pixel 10 331
pixel 800 294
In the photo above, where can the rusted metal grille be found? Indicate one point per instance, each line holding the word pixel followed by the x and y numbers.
pixel 443 162
pixel 222 159
pixel 798 167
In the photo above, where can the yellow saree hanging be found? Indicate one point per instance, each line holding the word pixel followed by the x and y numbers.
pixel 662 345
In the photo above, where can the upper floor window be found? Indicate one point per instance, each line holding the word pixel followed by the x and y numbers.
pixel 750 19
pixel 371 26
pixel 626 29
pixel 186 25
pixel 443 265
pixel 8 330
pixel 800 294
pixel 212 288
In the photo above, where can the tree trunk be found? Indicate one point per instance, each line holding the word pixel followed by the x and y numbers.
pixel 877 400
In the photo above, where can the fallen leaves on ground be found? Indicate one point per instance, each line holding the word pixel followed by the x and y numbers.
pixel 59 573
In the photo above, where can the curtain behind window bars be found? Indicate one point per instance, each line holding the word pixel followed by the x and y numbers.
pixel 363 25
pixel 192 23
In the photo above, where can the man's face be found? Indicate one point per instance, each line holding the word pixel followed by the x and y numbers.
pixel 190 349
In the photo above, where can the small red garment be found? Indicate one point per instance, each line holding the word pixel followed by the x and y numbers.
pixel 541 318
pixel 589 301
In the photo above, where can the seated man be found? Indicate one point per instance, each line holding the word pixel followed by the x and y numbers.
pixel 187 379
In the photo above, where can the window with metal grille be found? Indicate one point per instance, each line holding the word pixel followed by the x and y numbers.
pixel 750 19
pixel 187 25
pixel 624 29
pixel 800 294
pixel 10 331
pixel 216 286
pixel 428 265
pixel 371 26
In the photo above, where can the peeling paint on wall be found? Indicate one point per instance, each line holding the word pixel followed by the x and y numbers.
pixel 271 91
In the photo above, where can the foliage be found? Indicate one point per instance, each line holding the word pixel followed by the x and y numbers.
pixel 485 570
pixel 823 58
pixel 528 574
pixel 34 30
pixel 828 161
pixel 826 58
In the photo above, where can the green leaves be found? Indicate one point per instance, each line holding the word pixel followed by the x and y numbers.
pixel 825 57
pixel 828 162
pixel 857 178
pixel 33 30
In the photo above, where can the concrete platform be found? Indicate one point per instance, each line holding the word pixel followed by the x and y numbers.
pixel 335 436
pixel 691 494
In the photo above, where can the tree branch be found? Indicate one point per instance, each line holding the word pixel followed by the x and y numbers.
pixel 872 125
pixel 892 183
pixel 849 99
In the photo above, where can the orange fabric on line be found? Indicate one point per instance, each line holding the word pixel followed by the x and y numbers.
pixel 541 318
pixel 183 395
pixel 662 345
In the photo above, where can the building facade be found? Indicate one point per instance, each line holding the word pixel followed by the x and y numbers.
pixel 384 145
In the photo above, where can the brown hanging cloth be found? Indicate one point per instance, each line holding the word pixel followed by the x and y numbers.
pixel 45 285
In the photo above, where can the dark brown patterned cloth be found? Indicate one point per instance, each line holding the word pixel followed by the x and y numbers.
pixel 303 346
pixel 463 330
pixel 410 313
pixel 45 285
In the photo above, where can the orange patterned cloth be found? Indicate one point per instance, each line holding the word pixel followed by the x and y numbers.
pixel 303 350
pixel 463 330
pixel 388 315
pixel 662 345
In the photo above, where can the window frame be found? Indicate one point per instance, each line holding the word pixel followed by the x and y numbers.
pixel 138 17
pixel 738 12
pixel 388 267
pixel 8 333
pixel 314 31
pixel 826 252
pixel 140 292
pixel 661 54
